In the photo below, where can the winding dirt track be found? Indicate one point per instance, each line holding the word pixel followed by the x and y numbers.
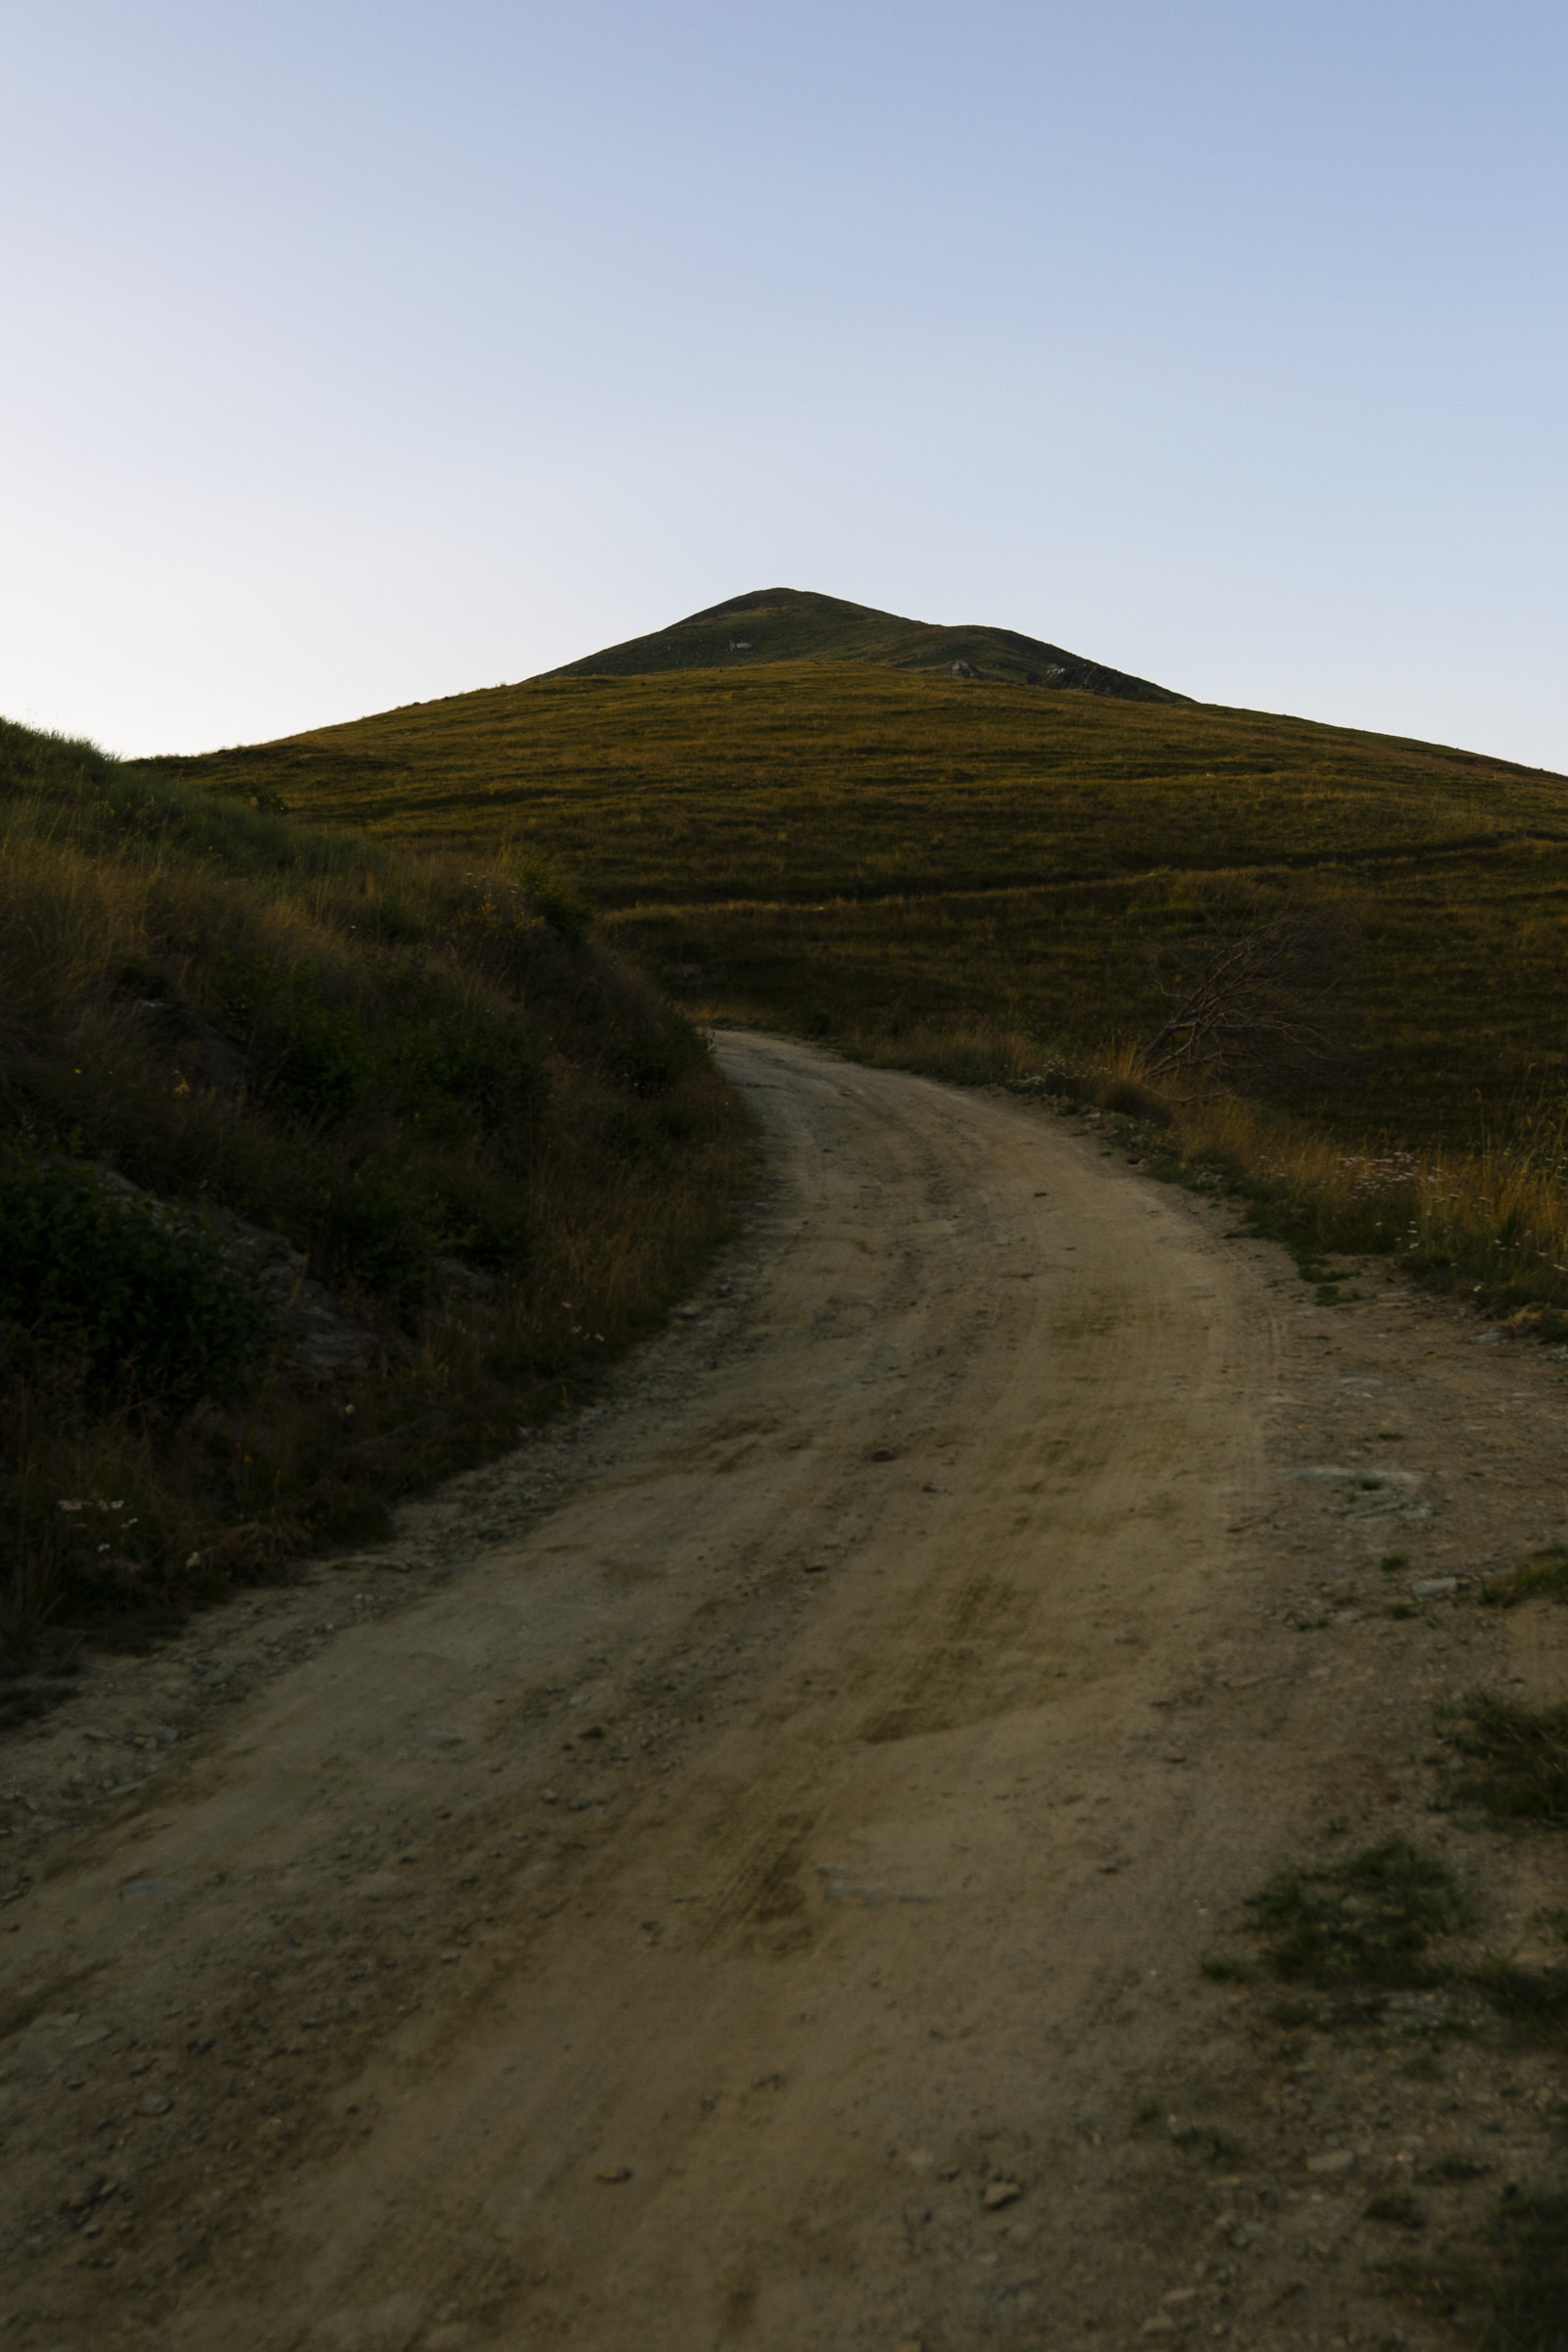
pixel 694 1922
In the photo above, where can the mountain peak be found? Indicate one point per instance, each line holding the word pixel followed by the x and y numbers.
pixel 798 625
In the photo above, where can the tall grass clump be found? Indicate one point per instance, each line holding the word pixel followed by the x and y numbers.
pixel 242 1059
pixel 1490 1224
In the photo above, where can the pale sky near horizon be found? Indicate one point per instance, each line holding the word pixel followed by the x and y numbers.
pixel 359 354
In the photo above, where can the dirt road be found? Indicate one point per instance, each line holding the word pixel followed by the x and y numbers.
pixel 742 1878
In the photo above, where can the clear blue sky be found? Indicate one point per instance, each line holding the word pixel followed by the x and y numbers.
pixel 357 353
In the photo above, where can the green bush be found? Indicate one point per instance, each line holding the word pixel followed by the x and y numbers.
pixel 143 1296
pixel 565 909
pixel 1531 2298
pixel 381 1230
pixel 315 1061
pixel 30 756
pixel 469 1066
pixel 489 1222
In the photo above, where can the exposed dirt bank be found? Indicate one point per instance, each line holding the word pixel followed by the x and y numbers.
pixel 742 1876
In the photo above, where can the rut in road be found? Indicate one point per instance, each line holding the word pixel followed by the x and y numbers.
pixel 667 1930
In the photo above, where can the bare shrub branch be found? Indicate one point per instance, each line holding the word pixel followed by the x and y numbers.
pixel 1261 994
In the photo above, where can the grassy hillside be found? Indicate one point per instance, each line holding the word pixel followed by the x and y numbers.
pixel 241 1057
pixel 1460 981
pixel 790 624
pixel 800 782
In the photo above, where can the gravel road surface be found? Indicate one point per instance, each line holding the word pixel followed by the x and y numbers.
pixel 737 1871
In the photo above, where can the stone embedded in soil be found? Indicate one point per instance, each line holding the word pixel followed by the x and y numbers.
pixel 999 2193
pixel 1332 2160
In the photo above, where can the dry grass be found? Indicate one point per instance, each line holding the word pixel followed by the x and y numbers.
pixel 1493 1222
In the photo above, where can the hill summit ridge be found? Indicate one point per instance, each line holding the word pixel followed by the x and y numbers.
pixel 797 625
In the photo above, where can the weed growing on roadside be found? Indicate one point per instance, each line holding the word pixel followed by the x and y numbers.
pixel 1367 1920
pixel 1542 1577
pixel 1515 1757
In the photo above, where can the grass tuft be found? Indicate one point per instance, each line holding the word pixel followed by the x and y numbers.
pixel 1367 1920
pixel 1515 1759
pixel 1544 1577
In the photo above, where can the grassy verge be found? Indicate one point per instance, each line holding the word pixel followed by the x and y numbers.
pixel 1489 1225
pixel 1513 1758
pixel 233 1044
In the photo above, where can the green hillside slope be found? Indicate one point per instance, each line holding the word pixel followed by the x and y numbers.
pixel 856 849
pixel 796 780
pixel 304 1143
pixel 792 624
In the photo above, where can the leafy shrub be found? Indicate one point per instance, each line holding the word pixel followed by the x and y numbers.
pixel 471 1064
pixel 489 1221
pixel 138 1294
pixel 635 1139
pixel 565 909
pixel 392 922
pixel 315 1059
pixel 384 1231
pixel 63 763
pixel 388 1113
